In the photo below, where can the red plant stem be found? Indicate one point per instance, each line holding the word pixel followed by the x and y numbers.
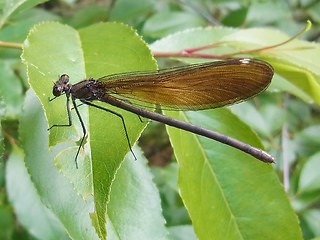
pixel 190 52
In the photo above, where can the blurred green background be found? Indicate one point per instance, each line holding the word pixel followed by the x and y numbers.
pixel 289 125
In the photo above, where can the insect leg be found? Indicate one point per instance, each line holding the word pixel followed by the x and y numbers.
pixel 70 123
pixel 51 99
pixel 79 105
pixel 69 116
pixel 83 130
pixel 122 119
pixel 141 120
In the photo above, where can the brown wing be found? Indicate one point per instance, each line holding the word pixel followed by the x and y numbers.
pixel 193 87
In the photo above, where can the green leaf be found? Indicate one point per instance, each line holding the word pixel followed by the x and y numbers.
pixel 32 214
pixel 7 222
pixel 88 15
pixel 307 141
pixel 266 12
pixel 135 202
pixel 19 28
pixel 279 83
pixel 314 12
pixel 312 217
pixel 55 192
pixel 196 37
pixel 15 6
pixel 309 178
pixel 165 23
pixel 166 179
pixel 300 76
pixel 299 114
pixel 295 61
pixel 95 51
pixel 229 194
pixel 250 115
pixel 44 70
pixel 114 48
pixel 127 10
pixel 80 179
pixel 185 232
pixel 274 116
pixel 10 91
pixel 236 18
pixel 134 199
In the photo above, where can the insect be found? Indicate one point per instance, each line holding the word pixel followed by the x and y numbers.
pixel 191 87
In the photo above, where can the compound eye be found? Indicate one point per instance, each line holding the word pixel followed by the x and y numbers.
pixel 64 78
pixel 56 91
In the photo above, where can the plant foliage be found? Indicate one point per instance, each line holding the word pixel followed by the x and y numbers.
pixel 208 190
